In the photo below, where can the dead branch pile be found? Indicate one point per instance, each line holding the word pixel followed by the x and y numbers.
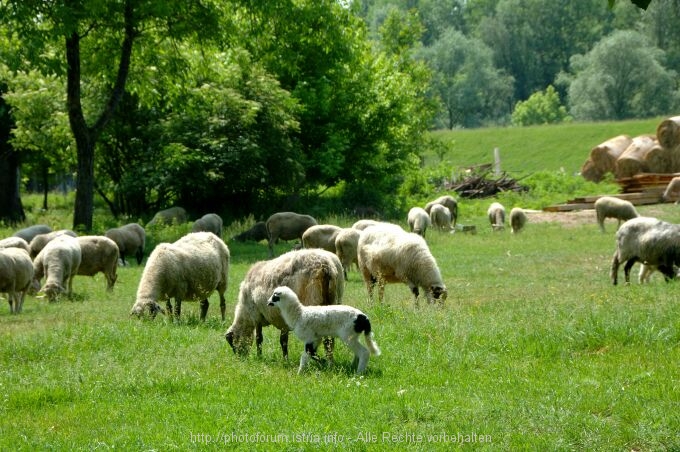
pixel 482 185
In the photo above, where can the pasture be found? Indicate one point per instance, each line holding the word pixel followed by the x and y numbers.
pixel 534 349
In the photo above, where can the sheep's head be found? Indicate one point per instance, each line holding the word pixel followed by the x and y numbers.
pixel 52 291
pixel 139 309
pixel 240 343
pixel 439 292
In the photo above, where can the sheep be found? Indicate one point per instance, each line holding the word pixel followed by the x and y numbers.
pixel 16 275
pixel 173 215
pixel 653 242
pixel 314 274
pixel 98 254
pixel 321 236
pixel 257 233
pixel 440 216
pixel 59 261
pixel 40 240
pixel 189 269
pixel 448 202
pixel 518 219
pixel 130 239
pixel 311 323
pixel 31 231
pixel 346 244
pixel 496 214
pixel 611 207
pixel 672 192
pixel 363 224
pixel 418 220
pixel 387 255
pixel 210 222
pixel 287 226
pixel 14 242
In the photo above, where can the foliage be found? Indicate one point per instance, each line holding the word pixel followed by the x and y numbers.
pixel 540 108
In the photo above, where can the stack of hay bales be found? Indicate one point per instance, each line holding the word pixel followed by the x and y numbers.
pixel 624 156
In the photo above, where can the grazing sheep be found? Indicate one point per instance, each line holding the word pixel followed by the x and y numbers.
pixel 15 242
pixel 59 261
pixel 311 323
pixel 387 255
pixel 653 242
pixel 346 244
pixel 518 219
pixel 40 240
pixel 31 231
pixel 189 269
pixel 210 222
pixel 321 236
pixel 672 192
pixel 256 233
pixel 611 207
pixel 16 275
pixel 496 214
pixel 173 215
pixel 418 221
pixel 448 202
pixel 98 254
pixel 440 216
pixel 314 274
pixel 130 239
pixel 287 226
pixel 363 224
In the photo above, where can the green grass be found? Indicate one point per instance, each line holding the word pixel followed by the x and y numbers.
pixel 533 350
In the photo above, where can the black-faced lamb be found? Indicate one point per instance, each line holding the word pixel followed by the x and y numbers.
pixel 314 274
pixel 418 220
pixel 31 231
pixel 256 233
pixel 612 207
pixel 190 269
pixel 287 226
pixel 387 255
pixel 448 202
pixel 58 261
pixel 130 239
pixel 167 217
pixel 650 241
pixel 40 240
pixel 15 242
pixel 16 275
pixel 98 254
pixel 496 215
pixel 210 222
pixel 440 216
pixel 346 244
pixel 321 236
pixel 312 323
pixel 518 219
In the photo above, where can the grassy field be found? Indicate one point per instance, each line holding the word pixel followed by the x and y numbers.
pixel 533 350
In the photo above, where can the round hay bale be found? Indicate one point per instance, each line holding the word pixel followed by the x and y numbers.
pixel 668 132
pixel 632 161
pixel 591 172
pixel 659 159
pixel 604 155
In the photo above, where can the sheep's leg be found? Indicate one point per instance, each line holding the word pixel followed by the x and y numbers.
pixel 168 306
pixel 304 358
pixel 416 293
pixel 329 345
pixel 10 300
pixel 614 272
pixel 361 354
pixel 204 308
pixel 178 307
pixel 140 256
pixel 667 271
pixel 283 340
pixel 223 306
pixel 626 268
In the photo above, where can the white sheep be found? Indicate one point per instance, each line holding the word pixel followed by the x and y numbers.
pixel 672 192
pixel 447 201
pixel 16 275
pixel 440 216
pixel 346 245
pixel 166 217
pixel 287 226
pixel 388 255
pixel 321 236
pixel 363 224
pixel 98 254
pixel 40 240
pixel 653 242
pixel 190 269
pixel 58 261
pixel 15 242
pixel 418 220
pixel 210 222
pixel 31 231
pixel 496 215
pixel 611 207
pixel 518 219
pixel 130 239
pixel 311 323
pixel 314 274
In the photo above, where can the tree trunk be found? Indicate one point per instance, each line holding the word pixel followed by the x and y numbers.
pixel 11 210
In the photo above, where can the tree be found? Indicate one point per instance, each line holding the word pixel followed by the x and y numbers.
pixel 543 107
pixel 11 210
pixel 621 77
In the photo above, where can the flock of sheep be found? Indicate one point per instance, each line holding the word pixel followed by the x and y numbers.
pixel 300 290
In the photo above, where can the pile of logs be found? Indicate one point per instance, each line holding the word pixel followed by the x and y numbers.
pixel 482 185
pixel 625 157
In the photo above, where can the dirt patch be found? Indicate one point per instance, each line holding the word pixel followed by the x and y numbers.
pixel 570 218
